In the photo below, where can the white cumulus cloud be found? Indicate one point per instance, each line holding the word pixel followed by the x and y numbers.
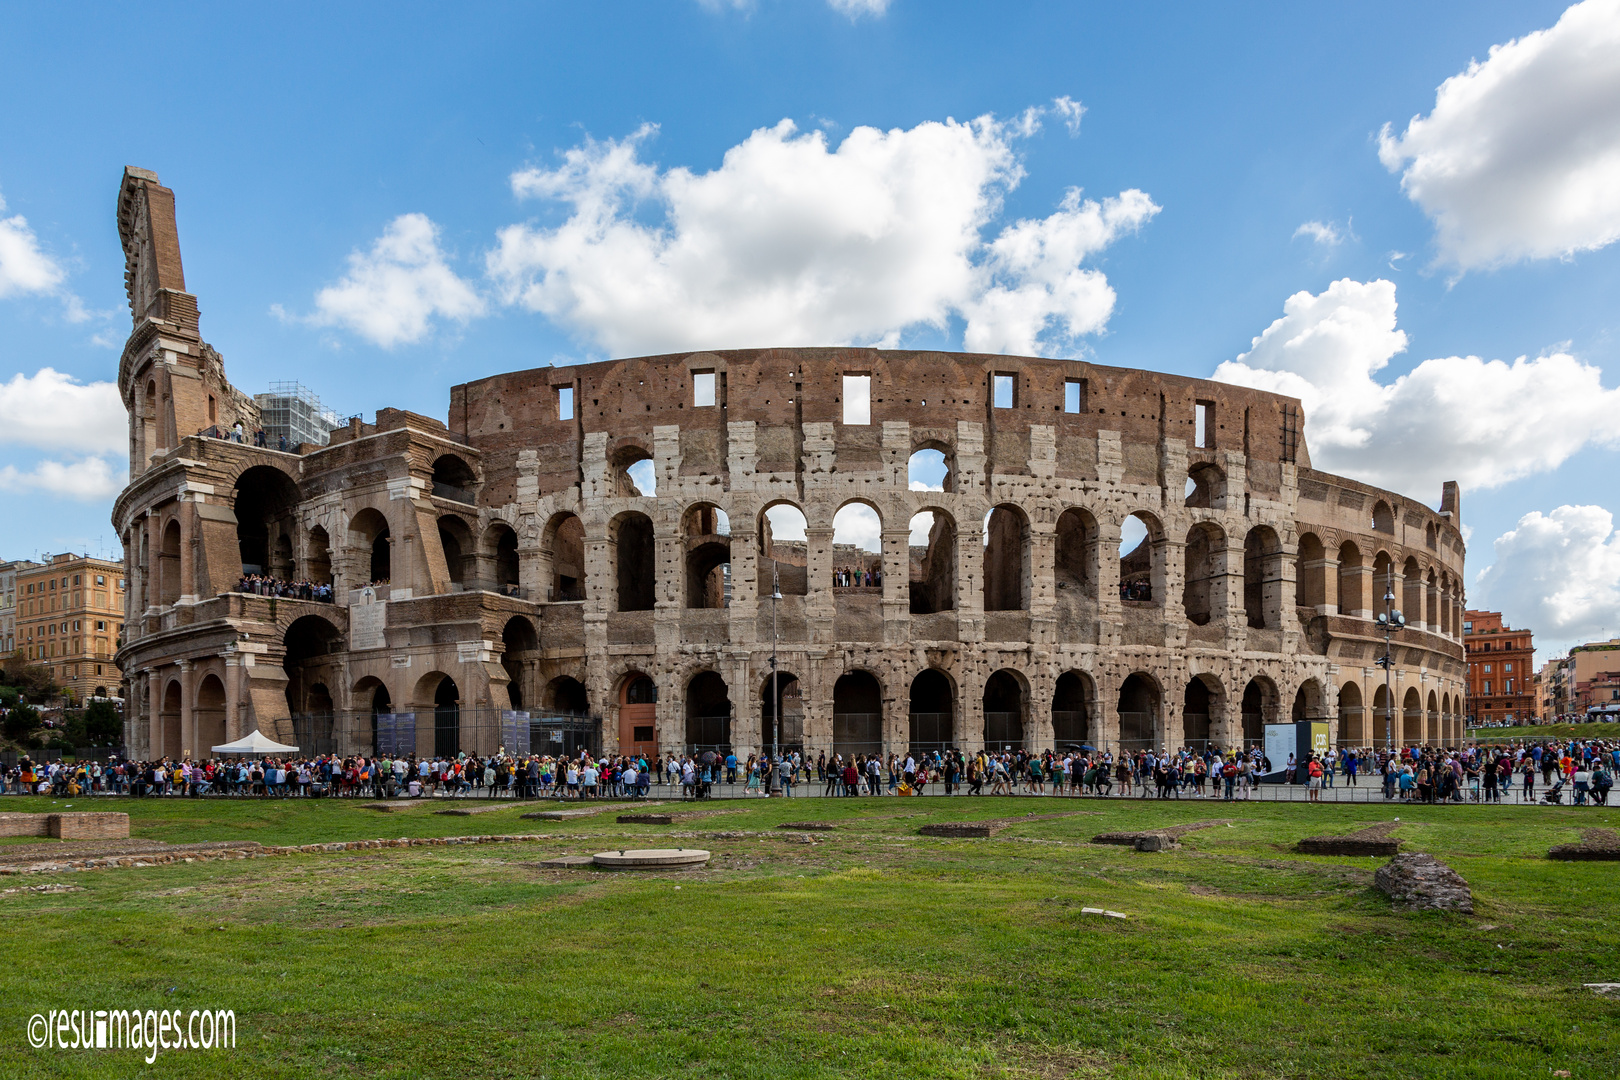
pixel 392 293
pixel 856 8
pixel 1323 232
pixel 1520 157
pixel 88 478
pixel 1462 418
pixel 52 411
pixel 1557 574
pixel 24 267
pixel 792 241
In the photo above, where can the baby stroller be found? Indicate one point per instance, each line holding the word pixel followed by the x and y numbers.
pixel 1555 794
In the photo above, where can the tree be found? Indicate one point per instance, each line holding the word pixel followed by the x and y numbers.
pixel 20 722
pixel 36 681
pixel 102 723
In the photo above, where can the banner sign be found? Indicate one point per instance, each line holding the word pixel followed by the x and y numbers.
pixel 396 734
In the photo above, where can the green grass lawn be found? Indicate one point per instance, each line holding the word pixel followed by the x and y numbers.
pixel 871 952
pixel 1538 732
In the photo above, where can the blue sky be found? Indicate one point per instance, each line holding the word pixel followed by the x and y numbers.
pixel 379 201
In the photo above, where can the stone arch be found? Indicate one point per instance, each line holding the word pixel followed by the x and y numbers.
pixel 1411 717
pixel 1203 594
pixel 1202 702
pixel 518 659
pixel 566 696
pixel 265 500
pixel 454 479
pixel 1412 591
pixel 1434 722
pixel 499 568
pixel 1310 573
pixel 208 715
pixel 309 641
pixel 1260 707
pixel 155 437
pixel 931 724
pixel 369 536
pixel 444 700
pixel 318 556
pixel 169 722
pixel 638 714
pixel 1075 552
pixel 632 471
pixel 371 699
pixel 1206 486
pixel 1433 617
pixel 1142 569
pixel 455 537
pixel 785 559
pixel 169 584
pixel 932 464
pixel 1352 727
pixel 1383 717
pixel 1074 699
pixel 635 562
pixel 1006 710
pixel 1383 518
pixel 1141 707
pixel 708 712
pixel 1352 582
pixel 1310 701
pixel 706 538
pixel 931 566
pixel 1383 582
pixel 789 699
pixel 1262 578
pixel 857 714
pixel 562 546
pixel 1007 584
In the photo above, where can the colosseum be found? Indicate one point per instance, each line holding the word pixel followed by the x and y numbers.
pixel 915 549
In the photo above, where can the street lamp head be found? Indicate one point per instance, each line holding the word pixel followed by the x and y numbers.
pixel 1382 619
pixel 776 594
pixel 1398 619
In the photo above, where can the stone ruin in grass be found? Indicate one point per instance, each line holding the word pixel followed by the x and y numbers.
pixel 1596 845
pixel 1420 882
pixel 1372 840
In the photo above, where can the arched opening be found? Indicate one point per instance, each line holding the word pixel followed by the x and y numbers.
pixel 169 723
pixel 371 699
pixel 369 536
pixel 1138 713
pixel 265 502
pixel 1310 574
pixel 1383 716
pixel 706 532
pixel 1204 589
pixel 318 561
pixel 208 715
pixel 1140 576
pixel 169 565
pixel 152 426
pixel 454 479
pixel 1071 710
pixel 1199 703
pixel 1352 582
pixel 1412 717
pixel 1383 518
pixel 1206 486
pixel 1412 592
pixel 1434 725
pixel 1004 701
pixel 857 548
pixel 638 716
pixel 500 549
pixel 564 544
pixel 633 474
pixel 1259 709
pixel 634 553
pixel 1262 578
pixel 1006 559
pixel 1075 554
pixel 1430 537
pixel 932 571
pixel 788 701
pixel 708 713
pixel 857 715
pixel 784 556
pixel 1308 702
pixel 1432 617
pixel 521 646
pixel 446 718
pixel 456 539
pixel 1383 583
pixel 310 642
pixel 931 726
pixel 1352 725
pixel 930 470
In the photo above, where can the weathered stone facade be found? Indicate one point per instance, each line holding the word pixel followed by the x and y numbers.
pixel 523 565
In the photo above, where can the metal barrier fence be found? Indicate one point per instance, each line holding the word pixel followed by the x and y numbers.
pixel 445 731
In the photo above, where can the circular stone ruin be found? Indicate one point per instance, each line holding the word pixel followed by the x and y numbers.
pixel 651 859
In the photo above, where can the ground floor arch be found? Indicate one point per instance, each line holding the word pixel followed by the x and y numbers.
pixel 1352 725
pixel 857 715
pixel 708 713
pixel 1072 699
pixel 931 723
pixel 1005 698
pixel 1201 702
pixel 1140 707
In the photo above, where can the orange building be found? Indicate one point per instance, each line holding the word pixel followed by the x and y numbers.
pixel 1501 669
pixel 70 613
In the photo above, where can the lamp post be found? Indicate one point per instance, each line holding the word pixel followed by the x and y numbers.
pixel 776 696
pixel 1391 620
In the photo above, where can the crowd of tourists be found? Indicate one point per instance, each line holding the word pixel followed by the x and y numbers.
pixel 1580 771
pixel 1138 590
pixel 263 585
pixel 857 577
pixel 238 434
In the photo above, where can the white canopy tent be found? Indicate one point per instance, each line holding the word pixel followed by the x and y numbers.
pixel 255 743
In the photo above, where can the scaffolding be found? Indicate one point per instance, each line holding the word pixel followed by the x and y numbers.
pixel 294 412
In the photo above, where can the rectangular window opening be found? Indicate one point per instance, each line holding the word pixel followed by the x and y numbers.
pixel 702 388
pixel 565 402
pixel 1204 425
pixel 1074 395
pixel 1003 391
pixel 857 399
